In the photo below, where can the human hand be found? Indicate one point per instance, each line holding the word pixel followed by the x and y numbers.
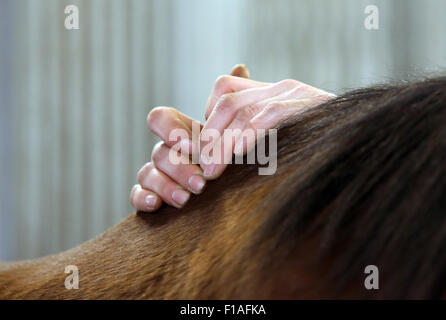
pixel 161 179
pixel 244 104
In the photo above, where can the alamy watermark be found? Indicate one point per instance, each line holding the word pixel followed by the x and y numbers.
pixel 209 146
pixel 72 280
pixel 71 21
pixel 372 280
pixel 371 21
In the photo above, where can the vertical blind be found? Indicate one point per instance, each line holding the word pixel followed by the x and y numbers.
pixel 79 98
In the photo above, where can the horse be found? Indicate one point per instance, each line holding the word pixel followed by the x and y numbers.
pixel 360 181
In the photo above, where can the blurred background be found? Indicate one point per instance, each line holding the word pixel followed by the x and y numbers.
pixel 74 102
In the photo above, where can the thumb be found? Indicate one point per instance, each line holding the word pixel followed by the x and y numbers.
pixel 240 70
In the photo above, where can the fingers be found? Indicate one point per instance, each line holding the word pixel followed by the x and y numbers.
pixel 225 144
pixel 268 118
pixel 278 111
pixel 236 103
pixel 171 176
pixel 152 179
pixel 173 127
pixel 178 168
pixel 144 200
pixel 240 70
pixel 243 132
pixel 228 84
pixel 230 104
pixel 273 114
pixel 248 112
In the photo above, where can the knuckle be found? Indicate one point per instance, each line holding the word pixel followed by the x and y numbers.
pixel 290 82
pixel 157 151
pixel 222 82
pixel 132 192
pixel 157 113
pixel 143 172
pixel 225 103
pixel 274 107
pixel 154 115
pixel 248 112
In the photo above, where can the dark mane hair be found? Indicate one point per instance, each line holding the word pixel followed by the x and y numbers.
pixel 367 178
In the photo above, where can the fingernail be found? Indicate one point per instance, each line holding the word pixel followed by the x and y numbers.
pixel 180 197
pixel 150 201
pixel 196 183
pixel 209 170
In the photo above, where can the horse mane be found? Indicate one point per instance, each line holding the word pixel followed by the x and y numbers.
pixel 360 181
pixel 371 188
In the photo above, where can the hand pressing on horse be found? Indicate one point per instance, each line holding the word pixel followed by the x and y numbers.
pixel 236 102
pixel 241 108
pixel 161 179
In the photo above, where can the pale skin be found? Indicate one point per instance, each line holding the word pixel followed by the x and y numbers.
pixel 236 102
